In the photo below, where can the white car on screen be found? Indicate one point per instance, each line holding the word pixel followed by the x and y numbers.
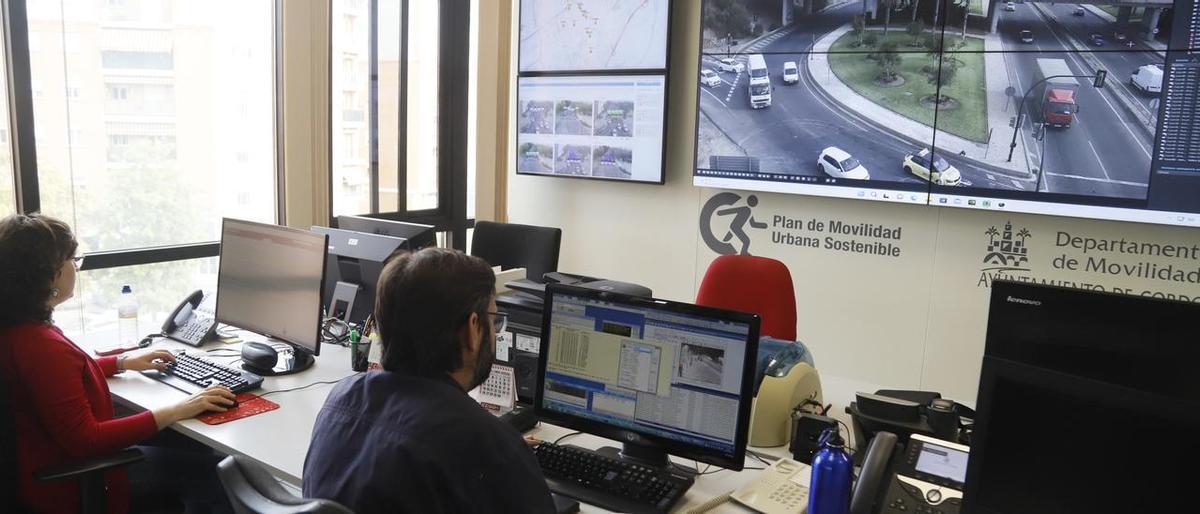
pixel 838 163
pixel 791 72
pixel 710 78
pixel 729 65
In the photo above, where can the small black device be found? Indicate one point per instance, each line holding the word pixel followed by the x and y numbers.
pixel 806 433
pixel 611 482
pixel 192 322
pixel 416 235
pixel 600 284
pixel 191 374
pixel 1112 377
pixel 352 270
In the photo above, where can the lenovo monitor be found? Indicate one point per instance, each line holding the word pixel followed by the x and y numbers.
pixel 1088 403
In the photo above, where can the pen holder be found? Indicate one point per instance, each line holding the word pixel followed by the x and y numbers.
pixel 359 351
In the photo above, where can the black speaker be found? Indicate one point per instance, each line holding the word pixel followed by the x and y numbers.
pixel 806 431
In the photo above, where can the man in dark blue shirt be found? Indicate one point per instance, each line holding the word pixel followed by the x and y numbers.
pixel 409 438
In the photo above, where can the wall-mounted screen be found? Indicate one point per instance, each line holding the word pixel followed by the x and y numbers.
pixel 591 126
pixel 591 89
pixel 1088 110
pixel 581 35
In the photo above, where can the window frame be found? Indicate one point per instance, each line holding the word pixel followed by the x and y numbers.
pixel 24 145
pixel 454 47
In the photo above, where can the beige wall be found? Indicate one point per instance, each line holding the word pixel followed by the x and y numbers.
pixel 916 320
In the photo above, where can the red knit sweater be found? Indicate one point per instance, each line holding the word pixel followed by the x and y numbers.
pixel 63 411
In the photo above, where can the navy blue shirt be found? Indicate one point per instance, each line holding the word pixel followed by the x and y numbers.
pixel 386 442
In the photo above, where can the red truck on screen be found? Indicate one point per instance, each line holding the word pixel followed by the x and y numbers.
pixel 1059 93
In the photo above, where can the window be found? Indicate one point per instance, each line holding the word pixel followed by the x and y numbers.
pixel 8 195
pixel 411 49
pixel 145 171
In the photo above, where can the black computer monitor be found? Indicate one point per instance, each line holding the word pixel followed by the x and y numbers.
pixel 269 281
pixel 418 236
pixel 659 376
pixel 1088 403
pixel 355 261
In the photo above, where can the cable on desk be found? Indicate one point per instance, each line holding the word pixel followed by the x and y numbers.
pixel 290 389
pixel 572 434
pixel 711 504
pixel 765 459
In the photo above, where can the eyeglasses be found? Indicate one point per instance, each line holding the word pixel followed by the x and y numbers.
pixel 499 321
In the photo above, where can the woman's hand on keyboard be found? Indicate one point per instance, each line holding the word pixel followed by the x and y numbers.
pixel 214 398
pixel 154 359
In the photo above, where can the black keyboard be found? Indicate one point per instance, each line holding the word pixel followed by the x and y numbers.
pixel 610 483
pixel 192 373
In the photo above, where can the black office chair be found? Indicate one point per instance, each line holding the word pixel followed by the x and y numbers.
pixel 510 245
pixel 252 490
pixel 88 472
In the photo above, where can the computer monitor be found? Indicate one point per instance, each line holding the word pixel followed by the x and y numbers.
pixel 1089 402
pixel 418 236
pixel 659 376
pixel 355 261
pixel 269 282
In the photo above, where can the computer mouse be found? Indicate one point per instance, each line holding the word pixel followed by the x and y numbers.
pixel 259 355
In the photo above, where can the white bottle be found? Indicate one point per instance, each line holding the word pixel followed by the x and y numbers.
pixel 127 317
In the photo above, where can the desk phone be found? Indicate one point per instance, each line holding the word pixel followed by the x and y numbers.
pixel 782 488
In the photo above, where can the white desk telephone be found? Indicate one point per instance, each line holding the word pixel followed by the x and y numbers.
pixel 782 488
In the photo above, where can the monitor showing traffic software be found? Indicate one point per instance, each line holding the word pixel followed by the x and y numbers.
pixel 663 374
pixel 269 281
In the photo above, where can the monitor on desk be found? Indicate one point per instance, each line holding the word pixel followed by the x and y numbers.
pixel 417 236
pixel 1088 402
pixel 269 282
pixel 355 261
pixel 661 377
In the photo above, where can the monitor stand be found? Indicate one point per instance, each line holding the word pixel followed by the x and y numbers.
pixel 649 455
pixel 292 359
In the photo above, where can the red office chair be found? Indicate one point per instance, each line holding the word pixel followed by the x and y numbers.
pixel 752 284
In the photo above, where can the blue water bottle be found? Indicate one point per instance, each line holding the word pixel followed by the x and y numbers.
pixel 832 473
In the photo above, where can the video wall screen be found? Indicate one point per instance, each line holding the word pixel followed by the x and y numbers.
pixel 591 89
pixel 1087 110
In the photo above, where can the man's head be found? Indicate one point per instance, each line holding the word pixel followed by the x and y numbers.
pixel 434 312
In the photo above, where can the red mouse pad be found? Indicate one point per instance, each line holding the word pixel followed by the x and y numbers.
pixel 248 405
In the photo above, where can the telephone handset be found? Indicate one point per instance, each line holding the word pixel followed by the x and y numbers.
pixel 782 488
pixel 193 321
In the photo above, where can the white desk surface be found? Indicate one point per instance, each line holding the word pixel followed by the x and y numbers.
pixel 279 438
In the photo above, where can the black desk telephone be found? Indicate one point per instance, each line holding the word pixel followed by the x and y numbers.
pixel 193 321
pixel 924 476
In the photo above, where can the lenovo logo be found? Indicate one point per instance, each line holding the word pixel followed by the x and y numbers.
pixel 1025 301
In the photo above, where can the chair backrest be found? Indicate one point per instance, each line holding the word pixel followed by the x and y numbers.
pixel 252 490
pixel 510 245
pixel 753 284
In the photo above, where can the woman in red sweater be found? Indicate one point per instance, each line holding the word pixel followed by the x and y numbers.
pixel 62 409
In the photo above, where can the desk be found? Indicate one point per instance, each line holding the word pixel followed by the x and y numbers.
pixel 279 439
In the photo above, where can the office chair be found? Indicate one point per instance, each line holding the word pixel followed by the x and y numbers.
pixel 510 245
pixel 88 472
pixel 752 284
pixel 252 490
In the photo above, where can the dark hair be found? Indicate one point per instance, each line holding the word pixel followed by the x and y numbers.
pixel 33 249
pixel 422 301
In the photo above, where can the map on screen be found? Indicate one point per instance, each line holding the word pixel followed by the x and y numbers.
pixel 571 35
